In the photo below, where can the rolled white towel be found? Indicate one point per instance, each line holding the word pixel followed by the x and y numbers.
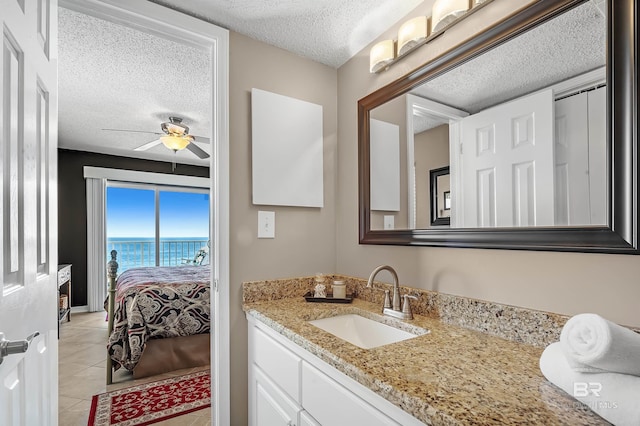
pixel 613 396
pixel 593 344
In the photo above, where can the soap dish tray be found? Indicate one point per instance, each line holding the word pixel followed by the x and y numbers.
pixel 329 299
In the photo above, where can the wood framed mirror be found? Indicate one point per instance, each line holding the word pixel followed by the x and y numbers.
pixel 612 228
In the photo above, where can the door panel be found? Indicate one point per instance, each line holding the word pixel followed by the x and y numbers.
pixel 507 164
pixel 43 27
pixel 42 150
pixel 28 203
pixel 13 88
pixel 486 197
pixel 524 194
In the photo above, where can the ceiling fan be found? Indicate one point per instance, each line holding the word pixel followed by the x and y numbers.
pixel 174 136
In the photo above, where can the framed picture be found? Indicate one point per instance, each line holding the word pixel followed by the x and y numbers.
pixel 439 186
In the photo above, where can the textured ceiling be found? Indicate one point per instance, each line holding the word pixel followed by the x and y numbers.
pixel 567 46
pixel 111 76
pixel 426 122
pixel 327 31
pixel 115 77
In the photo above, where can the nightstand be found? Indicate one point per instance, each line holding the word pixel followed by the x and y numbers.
pixel 64 294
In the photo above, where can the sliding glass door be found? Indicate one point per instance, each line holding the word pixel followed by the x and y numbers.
pixel 152 225
pixel 184 227
pixel 131 226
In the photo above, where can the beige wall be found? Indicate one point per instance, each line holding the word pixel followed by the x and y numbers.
pixel 394 112
pixel 326 240
pixel 431 149
pixel 305 237
pixel 567 283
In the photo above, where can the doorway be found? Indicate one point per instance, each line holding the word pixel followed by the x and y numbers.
pixel 161 21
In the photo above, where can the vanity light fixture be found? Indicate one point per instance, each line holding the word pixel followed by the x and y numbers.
pixel 381 55
pixel 420 30
pixel 176 142
pixel 412 33
pixel 445 12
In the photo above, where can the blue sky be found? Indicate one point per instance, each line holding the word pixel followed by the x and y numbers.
pixel 130 214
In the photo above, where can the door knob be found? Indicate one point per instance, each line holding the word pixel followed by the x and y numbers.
pixel 8 347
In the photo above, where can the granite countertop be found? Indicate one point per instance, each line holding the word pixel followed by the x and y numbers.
pixel 450 376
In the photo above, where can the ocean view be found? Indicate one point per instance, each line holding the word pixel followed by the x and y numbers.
pixel 134 252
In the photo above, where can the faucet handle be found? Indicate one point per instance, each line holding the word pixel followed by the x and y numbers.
pixel 406 305
pixel 387 299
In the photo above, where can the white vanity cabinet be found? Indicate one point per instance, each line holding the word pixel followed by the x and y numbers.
pixel 333 404
pixel 274 382
pixel 307 420
pixel 271 405
pixel 290 386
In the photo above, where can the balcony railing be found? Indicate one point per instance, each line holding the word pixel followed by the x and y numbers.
pixel 135 253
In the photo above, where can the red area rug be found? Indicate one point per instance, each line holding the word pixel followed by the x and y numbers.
pixel 152 402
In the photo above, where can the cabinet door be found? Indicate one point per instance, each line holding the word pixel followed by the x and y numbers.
pixel 272 406
pixel 279 363
pixel 332 404
pixel 307 420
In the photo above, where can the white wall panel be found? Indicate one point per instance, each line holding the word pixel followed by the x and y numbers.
pixel 287 151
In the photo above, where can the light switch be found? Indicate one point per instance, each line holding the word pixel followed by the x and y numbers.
pixel 389 221
pixel 266 224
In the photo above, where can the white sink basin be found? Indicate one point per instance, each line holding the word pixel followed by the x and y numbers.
pixel 360 331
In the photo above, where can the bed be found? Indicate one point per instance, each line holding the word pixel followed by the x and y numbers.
pixel 159 318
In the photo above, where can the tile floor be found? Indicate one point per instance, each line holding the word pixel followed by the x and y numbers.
pixel 82 372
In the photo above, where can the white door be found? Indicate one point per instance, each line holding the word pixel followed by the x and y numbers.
pixel 28 210
pixel 507 164
pixel 597 101
pixel 581 158
pixel 572 161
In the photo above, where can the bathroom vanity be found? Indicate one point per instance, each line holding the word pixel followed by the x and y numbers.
pixel 290 386
pixel 302 375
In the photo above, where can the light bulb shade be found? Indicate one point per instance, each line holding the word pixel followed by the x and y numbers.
pixel 446 11
pixel 381 55
pixel 412 33
pixel 175 142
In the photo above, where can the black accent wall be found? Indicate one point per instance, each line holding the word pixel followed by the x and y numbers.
pixel 72 206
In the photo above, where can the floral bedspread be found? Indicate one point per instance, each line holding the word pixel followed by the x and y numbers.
pixel 157 302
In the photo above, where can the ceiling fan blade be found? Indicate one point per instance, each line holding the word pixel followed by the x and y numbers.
pixel 132 131
pixel 148 145
pixel 197 150
pixel 202 139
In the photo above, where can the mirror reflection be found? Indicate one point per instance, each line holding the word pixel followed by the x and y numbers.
pixel 521 130
pixel 440 189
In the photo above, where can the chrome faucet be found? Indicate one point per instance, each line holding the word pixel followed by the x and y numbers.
pixel 392 308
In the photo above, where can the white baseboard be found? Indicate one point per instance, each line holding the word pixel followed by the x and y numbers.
pixel 78 309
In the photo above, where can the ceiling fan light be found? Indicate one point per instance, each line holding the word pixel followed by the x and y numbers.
pixel 175 142
pixel 174 127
